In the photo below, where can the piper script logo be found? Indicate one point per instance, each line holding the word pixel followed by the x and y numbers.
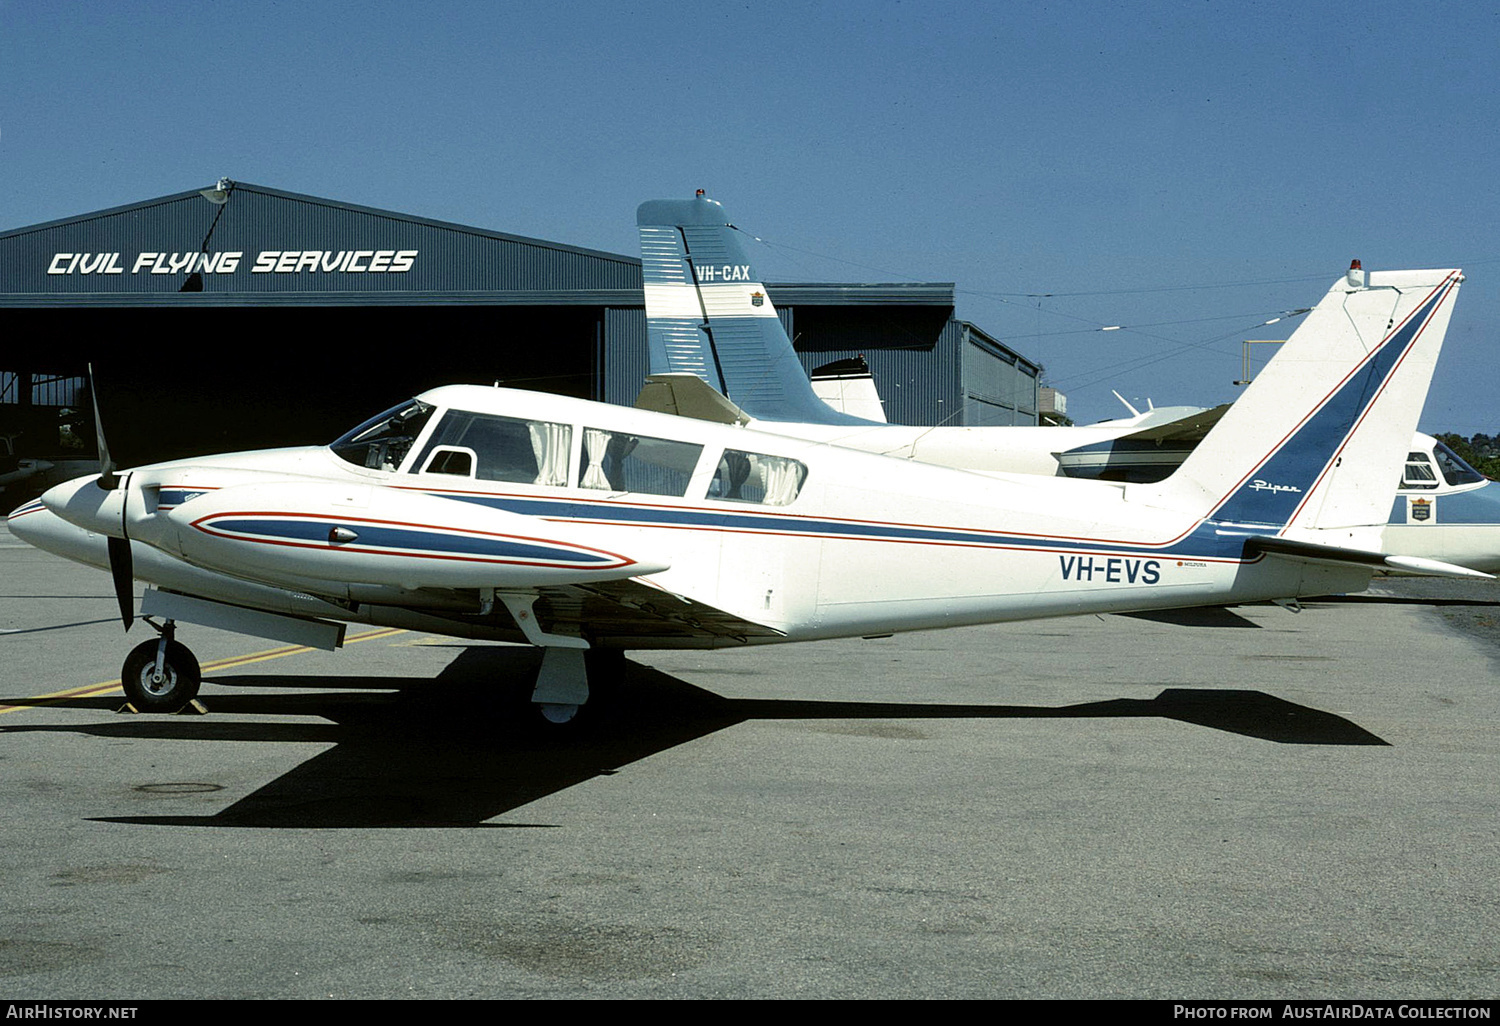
pixel 1266 486
pixel 267 261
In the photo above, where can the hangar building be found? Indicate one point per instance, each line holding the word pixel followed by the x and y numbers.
pixel 241 316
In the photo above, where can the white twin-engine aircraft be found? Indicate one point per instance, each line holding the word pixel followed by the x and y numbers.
pixel 573 525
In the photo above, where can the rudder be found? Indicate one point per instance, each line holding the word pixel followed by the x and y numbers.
pixel 707 313
pixel 1318 439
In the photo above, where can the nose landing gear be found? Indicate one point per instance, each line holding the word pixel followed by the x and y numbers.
pixel 161 676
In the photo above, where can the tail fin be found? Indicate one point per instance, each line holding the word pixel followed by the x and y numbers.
pixel 1317 440
pixel 707 313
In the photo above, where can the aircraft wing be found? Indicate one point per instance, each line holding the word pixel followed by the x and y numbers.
pixel 634 609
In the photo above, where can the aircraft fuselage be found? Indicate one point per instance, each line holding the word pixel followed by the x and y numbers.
pixel 811 540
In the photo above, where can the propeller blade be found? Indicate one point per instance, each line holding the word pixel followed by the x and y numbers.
pixel 122 569
pixel 121 563
pixel 107 478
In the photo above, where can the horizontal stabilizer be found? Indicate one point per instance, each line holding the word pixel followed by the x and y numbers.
pixel 1433 567
pixel 1337 555
pixel 687 395
pixel 1191 428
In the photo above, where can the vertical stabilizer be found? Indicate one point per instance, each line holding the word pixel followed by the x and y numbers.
pixel 1318 439
pixel 707 313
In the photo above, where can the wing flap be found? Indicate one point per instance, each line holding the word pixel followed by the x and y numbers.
pixel 634 610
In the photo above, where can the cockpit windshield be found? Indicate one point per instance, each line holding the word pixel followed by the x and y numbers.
pixel 493 448
pixel 1455 470
pixel 382 442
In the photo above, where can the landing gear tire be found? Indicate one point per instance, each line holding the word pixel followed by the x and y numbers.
pixel 179 680
pixel 557 713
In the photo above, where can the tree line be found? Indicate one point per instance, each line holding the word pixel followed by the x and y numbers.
pixel 1481 451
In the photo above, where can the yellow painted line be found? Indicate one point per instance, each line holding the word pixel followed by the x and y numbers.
pixel 108 686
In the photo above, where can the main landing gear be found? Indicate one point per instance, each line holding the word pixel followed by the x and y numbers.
pixel 567 678
pixel 161 676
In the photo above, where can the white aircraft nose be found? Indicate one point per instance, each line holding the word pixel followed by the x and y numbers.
pixel 35 525
pixel 84 504
pixel 26 509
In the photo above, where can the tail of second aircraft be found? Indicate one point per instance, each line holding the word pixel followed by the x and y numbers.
pixel 1313 451
pixel 707 313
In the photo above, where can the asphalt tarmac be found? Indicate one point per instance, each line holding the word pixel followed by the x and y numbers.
pixel 1250 804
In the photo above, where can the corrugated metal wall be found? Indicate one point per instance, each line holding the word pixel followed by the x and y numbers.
pixel 917 385
pixel 962 379
pixel 999 388
pixel 626 358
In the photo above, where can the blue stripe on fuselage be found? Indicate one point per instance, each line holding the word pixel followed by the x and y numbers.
pixel 177 496
pixel 315 532
pixel 1476 507
pixel 1480 506
pixel 1206 541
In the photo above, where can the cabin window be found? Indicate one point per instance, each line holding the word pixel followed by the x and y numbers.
pixel 1419 473
pixel 449 459
pixel 618 462
pixel 1455 470
pixel 382 442
pixel 756 477
pixel 493 448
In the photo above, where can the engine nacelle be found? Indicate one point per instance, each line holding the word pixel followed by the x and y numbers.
pixel 286 533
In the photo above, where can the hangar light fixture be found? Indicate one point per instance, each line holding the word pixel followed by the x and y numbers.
pixel 219 194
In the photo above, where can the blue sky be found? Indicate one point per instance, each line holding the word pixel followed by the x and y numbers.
pixel 1186 170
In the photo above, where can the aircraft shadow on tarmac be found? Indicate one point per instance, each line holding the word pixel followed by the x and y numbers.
pixel 1225 616
pixel 461 748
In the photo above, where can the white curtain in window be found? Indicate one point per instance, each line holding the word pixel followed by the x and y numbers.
pixel 549 444
pixel 782 478
pixel 595 443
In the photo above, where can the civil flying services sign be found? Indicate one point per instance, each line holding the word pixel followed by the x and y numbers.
pixel 267 261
